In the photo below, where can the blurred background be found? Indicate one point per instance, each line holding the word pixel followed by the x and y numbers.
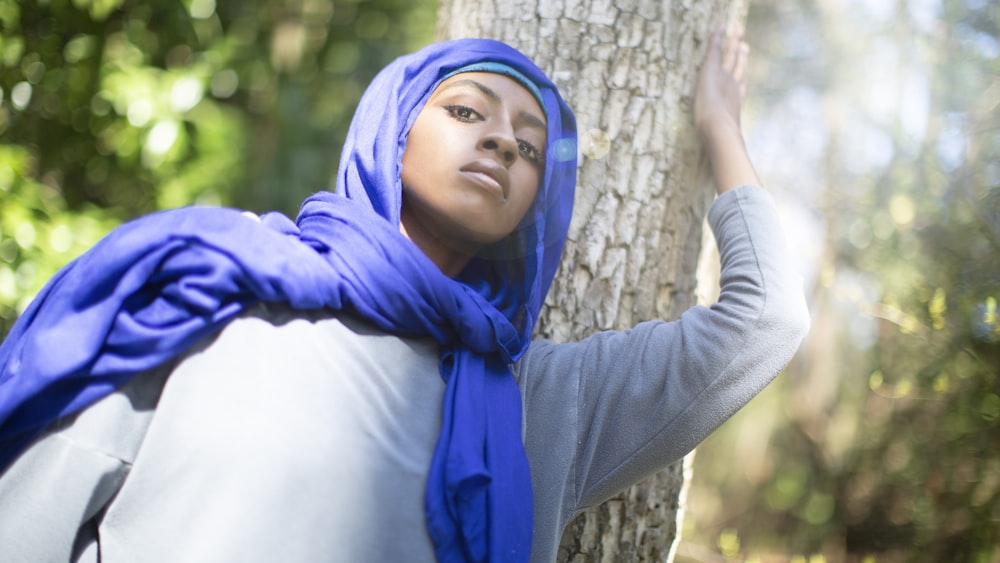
pixel 114 108
pixel 874 121
pixel 877 123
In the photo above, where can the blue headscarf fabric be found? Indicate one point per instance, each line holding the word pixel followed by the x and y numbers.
pixel 155 286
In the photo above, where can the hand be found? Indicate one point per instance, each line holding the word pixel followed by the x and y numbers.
pixel 721 87
pixel 722 84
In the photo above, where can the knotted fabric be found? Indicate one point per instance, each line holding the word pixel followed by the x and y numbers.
pixel 157 285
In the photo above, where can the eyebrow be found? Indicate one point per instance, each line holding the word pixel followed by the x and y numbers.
pixel 532 119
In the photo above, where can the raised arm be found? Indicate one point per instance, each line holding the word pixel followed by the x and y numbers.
pixel 604 412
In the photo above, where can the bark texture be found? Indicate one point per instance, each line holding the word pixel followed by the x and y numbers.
pixel 628 69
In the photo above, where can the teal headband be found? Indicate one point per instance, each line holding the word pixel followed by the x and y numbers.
pixel 500 68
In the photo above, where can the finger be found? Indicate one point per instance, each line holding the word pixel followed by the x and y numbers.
pixel 742 56
pixel 732 49
pixel 729 53
pixel 734 46
pixel 715 46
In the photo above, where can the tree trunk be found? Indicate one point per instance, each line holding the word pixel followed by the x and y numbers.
pixel 628 69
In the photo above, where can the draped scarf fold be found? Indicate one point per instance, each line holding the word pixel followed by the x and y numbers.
pixel 155 286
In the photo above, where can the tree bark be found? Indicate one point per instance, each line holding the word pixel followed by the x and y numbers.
pixel 628 69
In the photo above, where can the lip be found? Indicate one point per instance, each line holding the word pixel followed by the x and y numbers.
pixel 489 173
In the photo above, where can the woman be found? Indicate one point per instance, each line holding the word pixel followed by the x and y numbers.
pixel 350 387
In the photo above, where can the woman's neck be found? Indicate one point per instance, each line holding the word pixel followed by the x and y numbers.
pixel 450 260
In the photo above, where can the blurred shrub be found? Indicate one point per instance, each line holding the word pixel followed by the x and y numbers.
pixel 882 440
pixel 114 108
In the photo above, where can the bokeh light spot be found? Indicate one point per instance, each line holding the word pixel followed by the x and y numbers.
pixel 161 137
pixel 139 112
pixel 25 275
pixel 60 238
pixel 859 233
pixel 6 177
pixel 564 150
pixel 902 209
pixel 185 94
pixel 8 284
pixel 78 48
pixel 20 95
pixel 224 83
pixel 24 234
pixel 202 9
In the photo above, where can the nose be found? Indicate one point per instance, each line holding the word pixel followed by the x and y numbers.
pixel 500 139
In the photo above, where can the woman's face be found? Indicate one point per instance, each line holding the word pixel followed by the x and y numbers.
pixel 474 161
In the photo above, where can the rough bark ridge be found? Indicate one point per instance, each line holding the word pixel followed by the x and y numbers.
pixel 628 68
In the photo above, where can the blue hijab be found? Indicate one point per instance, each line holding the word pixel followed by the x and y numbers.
pixel 157 285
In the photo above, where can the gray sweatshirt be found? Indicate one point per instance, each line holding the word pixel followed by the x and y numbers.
pixel 307 436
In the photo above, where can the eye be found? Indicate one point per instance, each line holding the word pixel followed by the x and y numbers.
pixel 530 151
pixel 463 113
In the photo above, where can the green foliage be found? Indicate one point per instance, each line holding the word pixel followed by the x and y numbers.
pixel 38 233
pixel 114 108
pixel 886 430
pixel 924 476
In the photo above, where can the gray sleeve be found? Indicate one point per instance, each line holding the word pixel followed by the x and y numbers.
pixel 52 495
pixel 605 412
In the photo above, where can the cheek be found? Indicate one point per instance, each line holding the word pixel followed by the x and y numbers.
pixel 525 203
pixel 533 181
pixel 416 160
